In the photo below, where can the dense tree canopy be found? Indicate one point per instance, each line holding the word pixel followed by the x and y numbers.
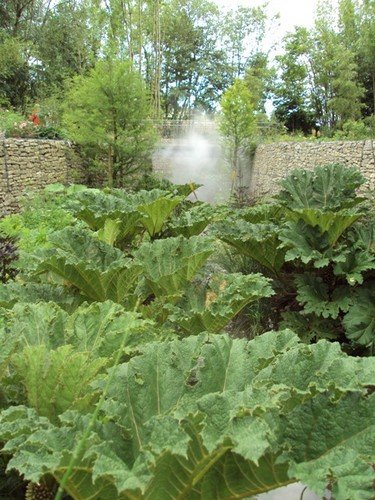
pixel 189 52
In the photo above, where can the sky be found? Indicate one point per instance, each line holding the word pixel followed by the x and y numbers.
pixel 292 13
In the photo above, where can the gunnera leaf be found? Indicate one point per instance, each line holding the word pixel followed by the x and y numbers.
pixel 342 455
pixel 259 241
pixel 193 221
pixel 171 263
pixel 99 271
pixel 309 244
pixel 327 188
pixel 155 207
pixel 211 417
pixel 359 322
pixel 316 298
pixel 220 303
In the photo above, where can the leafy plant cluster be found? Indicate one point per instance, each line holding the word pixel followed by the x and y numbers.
pixel 317 241
pixel 118 381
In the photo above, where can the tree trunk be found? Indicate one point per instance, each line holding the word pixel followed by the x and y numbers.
pixel 110 166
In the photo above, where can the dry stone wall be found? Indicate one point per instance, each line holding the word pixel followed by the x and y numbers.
pixel 272 162
pixel 31 164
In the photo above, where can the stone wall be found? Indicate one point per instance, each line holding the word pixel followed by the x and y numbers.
pixel 274 161
pixel 31 164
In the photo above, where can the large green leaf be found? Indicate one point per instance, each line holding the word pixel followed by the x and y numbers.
pixel 49 351
pixel 171 263
pixel 56 381
pixel 155 206
pixel 193 221
pixel 309 244
pixel 30 292
pixel 334 224
pixel 316 298
pixel 327 188
pixel 97 329
pixel 259 241
pixel 99 271
pixel 212 417
pixel 220 303
pixel 343 456
pixel 96 208
pixel 357 262
pixel 359 322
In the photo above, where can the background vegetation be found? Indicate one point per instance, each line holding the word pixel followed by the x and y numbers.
pixel 188 53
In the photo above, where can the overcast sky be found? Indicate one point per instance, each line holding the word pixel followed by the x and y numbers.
pixel 292 13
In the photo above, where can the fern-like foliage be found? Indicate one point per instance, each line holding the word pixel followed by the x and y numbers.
pixel 213 417
pixel 226 297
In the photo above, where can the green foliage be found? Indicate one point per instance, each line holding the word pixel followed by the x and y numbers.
pixel 95 269
pixel 317 248
pixel 221 302
pixel 258 241
pixel 170 264
pixel 40 216
pixel 193 221
pixel 107 111
pixel 316 298
pixel 326 188
pixel 47 351
pixel 8 119
pixel 155 206
pixel 201 408
pixel 359 323
pixel 100 399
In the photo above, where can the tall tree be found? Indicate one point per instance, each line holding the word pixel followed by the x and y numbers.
pixel 292 97
pixel 243 30
pixel 237 125
pixel 107 112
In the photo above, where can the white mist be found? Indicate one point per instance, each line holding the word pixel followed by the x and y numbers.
pixel 195 155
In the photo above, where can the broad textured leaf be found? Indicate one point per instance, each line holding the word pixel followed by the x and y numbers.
pixel 314 295
pixel 110 232
pixel 222 302
pixel 97 329
pixel 343 454
pixel 262 213
pixel 310 327
pixel 96 208
pixel 359 322
pixel 357 262
pixel 171 263
pixel 334 224
pixel 30 292
pixel 208 417
pixel 156 206
pixel 309 244
pixel 329 187
pixel 258 241
pixel 99 271
pixel 193 221
pixel 56 381
pixel 100 329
